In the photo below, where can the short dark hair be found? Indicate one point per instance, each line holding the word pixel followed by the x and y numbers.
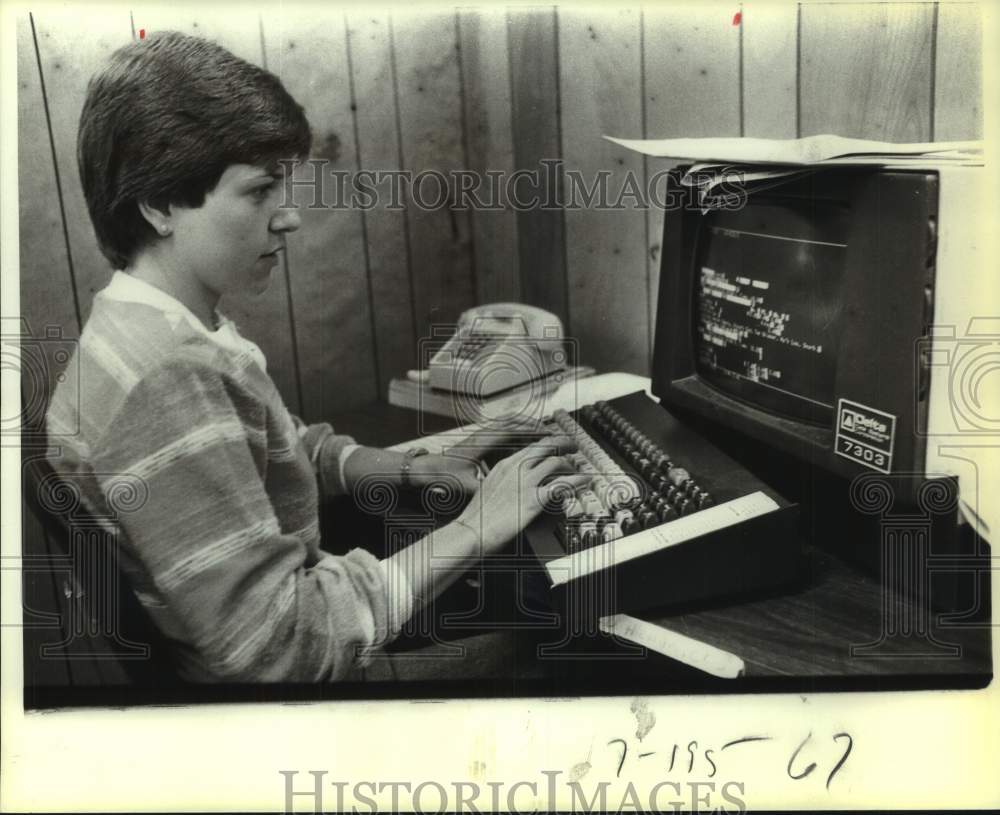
pixel 162 121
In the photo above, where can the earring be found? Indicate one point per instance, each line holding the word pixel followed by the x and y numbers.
pixel 164 229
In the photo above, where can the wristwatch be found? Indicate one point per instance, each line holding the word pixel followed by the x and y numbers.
pixel 404 468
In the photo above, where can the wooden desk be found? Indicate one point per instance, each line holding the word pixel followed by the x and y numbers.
pixel 826 632
pixel 832 626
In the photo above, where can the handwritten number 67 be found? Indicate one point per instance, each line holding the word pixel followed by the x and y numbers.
pixel 799 776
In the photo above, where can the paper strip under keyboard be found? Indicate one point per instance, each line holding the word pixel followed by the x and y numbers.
pixel 671 644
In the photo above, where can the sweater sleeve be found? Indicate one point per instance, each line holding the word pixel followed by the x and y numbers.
pixel 239 590
pixel 327 451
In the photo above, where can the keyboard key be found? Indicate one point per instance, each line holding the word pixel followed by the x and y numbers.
pixel 667 514
pixel 572 539
pixel 678 476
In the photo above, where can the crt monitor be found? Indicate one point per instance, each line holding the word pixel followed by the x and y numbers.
pixel 813 314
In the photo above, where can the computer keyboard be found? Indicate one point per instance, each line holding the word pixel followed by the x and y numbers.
pixel 616 505
pixel 668 517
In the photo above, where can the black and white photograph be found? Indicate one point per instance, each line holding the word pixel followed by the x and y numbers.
pixel 499 407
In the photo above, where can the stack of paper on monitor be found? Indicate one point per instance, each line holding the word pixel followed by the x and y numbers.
pixel 822 149
pixel 746 161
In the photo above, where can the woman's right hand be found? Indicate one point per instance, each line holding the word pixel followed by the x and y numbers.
pixel 518 488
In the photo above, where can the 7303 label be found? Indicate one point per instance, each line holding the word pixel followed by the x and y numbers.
pixel 865 435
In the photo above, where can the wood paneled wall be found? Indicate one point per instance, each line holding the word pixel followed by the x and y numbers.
pixel 487 90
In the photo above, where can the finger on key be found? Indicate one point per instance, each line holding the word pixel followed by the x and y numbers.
pixel 551 446
pixel 554 465
pixel 568 483
pixel 488 439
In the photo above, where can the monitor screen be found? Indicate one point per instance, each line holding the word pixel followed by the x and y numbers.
pixel 767 300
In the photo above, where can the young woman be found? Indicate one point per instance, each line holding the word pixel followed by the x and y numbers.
pixel 181 148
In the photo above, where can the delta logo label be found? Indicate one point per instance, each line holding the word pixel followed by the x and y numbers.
pixel 865 435
pixel 852 420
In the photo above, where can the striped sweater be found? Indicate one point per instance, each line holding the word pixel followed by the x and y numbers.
pixel 183 447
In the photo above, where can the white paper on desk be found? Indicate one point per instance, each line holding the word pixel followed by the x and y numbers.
pixel 808 150
pixel 669 643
